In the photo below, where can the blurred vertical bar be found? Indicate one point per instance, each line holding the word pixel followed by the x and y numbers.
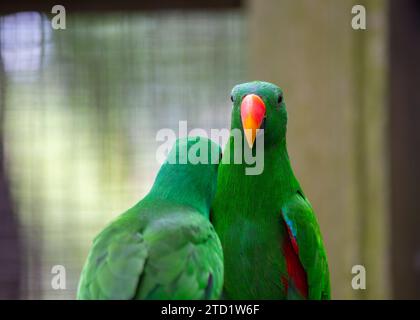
pixel 10 266
pixel 372 148
pixel 405 142
pixel 334 79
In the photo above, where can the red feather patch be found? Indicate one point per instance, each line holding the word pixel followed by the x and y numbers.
pixel 294 267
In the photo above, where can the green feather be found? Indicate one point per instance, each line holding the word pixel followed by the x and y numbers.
pixel 299 215
pixel 248 211
pixel 164 247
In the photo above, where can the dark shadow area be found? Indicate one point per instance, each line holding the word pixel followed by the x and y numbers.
pixel 405 152
pixel 10 260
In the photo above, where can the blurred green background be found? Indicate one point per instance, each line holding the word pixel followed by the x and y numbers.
pixel 80 109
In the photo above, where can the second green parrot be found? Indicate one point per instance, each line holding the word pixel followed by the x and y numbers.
pixel 271 240
pixel 164 247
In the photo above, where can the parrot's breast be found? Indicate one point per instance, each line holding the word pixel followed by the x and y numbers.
pixel 254 263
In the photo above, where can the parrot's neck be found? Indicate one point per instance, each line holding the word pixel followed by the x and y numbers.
pixel 259 194
pixel 178 193
pixel 278 173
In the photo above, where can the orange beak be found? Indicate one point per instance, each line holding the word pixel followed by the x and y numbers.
pixel 252 115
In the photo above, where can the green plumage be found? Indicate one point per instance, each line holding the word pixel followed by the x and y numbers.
pixel 251 213
pixel 164 247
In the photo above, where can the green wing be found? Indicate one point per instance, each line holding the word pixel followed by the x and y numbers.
pixel 175 257
pixel 185 260
pixel 300 218
pixel 114 265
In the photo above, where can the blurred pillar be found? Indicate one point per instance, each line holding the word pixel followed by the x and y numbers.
pixel 10 265
pixel 405 142
pixel 335 91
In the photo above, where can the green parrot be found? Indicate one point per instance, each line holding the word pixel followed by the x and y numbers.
pixel 271 240
pixel 164 247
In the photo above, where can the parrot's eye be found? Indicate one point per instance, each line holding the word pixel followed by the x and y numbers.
pixel 280 99
pixel 231 98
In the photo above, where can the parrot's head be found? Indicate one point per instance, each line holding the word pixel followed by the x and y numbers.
pixel 189 174
pixel 259 105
